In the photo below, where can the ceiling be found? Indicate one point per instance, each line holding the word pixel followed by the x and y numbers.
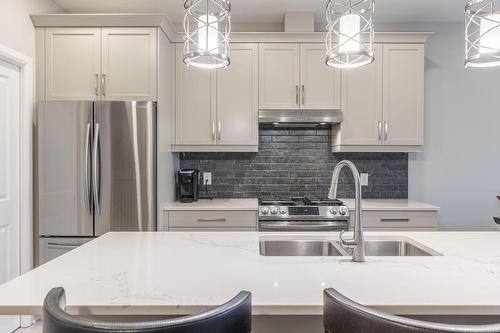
pixel 270 12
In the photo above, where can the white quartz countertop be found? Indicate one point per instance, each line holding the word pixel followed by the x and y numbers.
pixel 182 273
pixel 252 204
pixel 391 204
pixel 214 204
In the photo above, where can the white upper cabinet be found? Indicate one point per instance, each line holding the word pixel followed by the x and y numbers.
pixel 403 94
pixel 217 110
pixel 279 76
pixel 195 104
pixel 72 64
pixel 362 103
pixel 100 64
pixel 382 103
pixel 237 97
pixel 319 83
pixel 129 64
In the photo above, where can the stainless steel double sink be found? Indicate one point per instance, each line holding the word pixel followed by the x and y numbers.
pixel 389 246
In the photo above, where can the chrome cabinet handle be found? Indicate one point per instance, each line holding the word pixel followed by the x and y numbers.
pixel 62 245
pixel 218 129
pixel 379 131
pixel 103 84
pixel 213 131
pixel 297 94
pixel 88 197
pixel 96 85
pixel 303 94
pixel 212 220
pixel 97 172
pixel 386 130
pixel 395 220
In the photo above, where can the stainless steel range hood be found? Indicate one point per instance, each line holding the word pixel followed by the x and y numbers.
pixel 300 118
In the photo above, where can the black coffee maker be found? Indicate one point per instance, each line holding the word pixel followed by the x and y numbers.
pixel 188 189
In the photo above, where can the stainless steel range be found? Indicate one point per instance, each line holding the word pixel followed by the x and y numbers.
pixel 302 214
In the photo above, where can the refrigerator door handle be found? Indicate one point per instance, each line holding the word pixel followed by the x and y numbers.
pixel 87 178
pixel 96 171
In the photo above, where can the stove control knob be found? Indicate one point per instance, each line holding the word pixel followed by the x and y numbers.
pixel 274 210
pixel 283 210
pixel 264 210
pixel 343 210
pixel 333 210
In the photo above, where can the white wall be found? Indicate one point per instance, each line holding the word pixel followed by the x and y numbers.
pixel 16 29
pixel 460 167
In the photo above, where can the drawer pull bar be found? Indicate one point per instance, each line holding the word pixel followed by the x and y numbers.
pixel 211 220
pixel 395 220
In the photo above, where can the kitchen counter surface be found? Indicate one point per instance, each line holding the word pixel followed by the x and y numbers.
pixel 392 204
pixel 215 204
pixel 182 273
pixel 252 204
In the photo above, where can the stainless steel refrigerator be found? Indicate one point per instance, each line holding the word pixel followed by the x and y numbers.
pixel 96 171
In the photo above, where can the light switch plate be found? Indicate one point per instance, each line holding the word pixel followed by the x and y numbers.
pixel 207 178
pixel 364 179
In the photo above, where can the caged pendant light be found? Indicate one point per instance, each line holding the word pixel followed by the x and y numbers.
pixel 207 25
pixel 348 21
pixel 482 34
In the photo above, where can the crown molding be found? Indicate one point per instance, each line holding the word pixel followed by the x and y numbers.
pixel 159 20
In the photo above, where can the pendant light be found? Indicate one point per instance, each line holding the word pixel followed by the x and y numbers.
pixel 348 23
pixel 482 34
pixel 207 25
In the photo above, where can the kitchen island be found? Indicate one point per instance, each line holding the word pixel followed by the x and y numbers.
pixel 183 273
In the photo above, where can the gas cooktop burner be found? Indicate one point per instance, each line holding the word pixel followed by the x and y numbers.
pixel 300 201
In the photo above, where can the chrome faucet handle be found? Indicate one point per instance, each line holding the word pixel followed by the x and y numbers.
pixel 347 242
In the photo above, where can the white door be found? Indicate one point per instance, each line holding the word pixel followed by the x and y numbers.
pixel 9 182
pixel 319 83
pixel 279 76
pixel 128 64
pixel 195 104
pixel 403 94
pixel 237 97
pixel 72 64
pixel 362 103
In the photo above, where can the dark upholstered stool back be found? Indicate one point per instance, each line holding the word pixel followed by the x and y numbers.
pixel 342 315
pixel 234 316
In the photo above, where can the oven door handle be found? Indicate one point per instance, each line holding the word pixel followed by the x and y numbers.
pixel 284 226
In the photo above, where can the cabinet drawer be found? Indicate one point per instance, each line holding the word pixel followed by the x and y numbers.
pixel 215 229
pixel 400 219
pixel 209 219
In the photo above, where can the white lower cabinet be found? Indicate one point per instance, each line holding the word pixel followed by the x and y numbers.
pixel 399 220
pixel 382 103
pixel 221 220
pixel 51 248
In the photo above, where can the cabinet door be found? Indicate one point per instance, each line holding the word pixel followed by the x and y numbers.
pixel 279 76
pixel 72 64
pixel 362 103
pixel 237 97
pixel 403 94
pixel 195 104
pixel 129 64
pixel 319 83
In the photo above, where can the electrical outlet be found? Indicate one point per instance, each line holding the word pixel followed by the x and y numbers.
pixel 364 179
pixel 207 178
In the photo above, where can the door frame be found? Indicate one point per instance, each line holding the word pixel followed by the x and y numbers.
pixel 26 107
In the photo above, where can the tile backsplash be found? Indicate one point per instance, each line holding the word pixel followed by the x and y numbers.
pixel 297 162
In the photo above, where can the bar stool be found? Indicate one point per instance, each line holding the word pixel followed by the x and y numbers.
pixel 234 316
pixel 342 315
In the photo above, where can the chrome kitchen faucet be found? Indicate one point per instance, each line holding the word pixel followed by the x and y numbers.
pixel 358 242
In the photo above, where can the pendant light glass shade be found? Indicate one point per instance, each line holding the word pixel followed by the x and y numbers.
pixel 207 25
pixel 350 35
pixel 482 34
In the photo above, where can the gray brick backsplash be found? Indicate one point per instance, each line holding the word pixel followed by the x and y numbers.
pixel 297 162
